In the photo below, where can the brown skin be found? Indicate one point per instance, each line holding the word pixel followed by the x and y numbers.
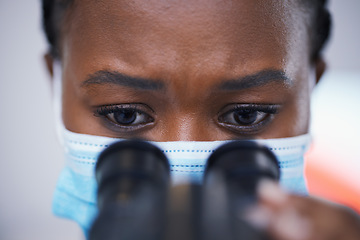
pixel 190 48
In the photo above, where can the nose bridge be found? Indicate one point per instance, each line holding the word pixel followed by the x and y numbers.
pixel 188 127
pixel 188 114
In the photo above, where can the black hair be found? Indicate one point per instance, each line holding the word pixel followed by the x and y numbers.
pixel 320 28
pixel 55 10
pixel 53 15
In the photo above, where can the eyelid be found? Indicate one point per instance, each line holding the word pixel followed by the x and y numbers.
pixel 102 110
pixel 267 108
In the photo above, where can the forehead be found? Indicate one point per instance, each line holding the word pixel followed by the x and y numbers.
pixel 185 37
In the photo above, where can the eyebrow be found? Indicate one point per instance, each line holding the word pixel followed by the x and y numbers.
pixel 250 81
pixel 255 80
pixel 117 78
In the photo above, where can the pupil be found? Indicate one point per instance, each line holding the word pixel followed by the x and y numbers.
pixel 245 117
pixel 126 116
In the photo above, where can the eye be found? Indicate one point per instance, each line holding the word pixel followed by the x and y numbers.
pixel 247 117
pixel 125 115
pixel 244 117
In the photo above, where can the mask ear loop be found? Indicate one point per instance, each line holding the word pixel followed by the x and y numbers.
pixel 57 100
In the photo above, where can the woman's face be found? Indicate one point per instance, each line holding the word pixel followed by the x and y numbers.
pixel 186 70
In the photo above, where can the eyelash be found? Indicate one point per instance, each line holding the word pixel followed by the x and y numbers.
pixel 104 110
pixel 266 112
pixel 271 109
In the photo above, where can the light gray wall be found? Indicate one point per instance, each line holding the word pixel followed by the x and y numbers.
pixel 344 48
pixel 30 158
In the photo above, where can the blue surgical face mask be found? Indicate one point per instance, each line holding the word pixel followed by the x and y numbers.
pixel 75 194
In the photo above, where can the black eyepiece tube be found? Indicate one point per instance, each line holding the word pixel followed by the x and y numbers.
pixel 132 178
pixel 244 159
pixel 231 177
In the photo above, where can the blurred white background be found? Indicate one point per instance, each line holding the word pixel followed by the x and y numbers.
pixel 31 158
